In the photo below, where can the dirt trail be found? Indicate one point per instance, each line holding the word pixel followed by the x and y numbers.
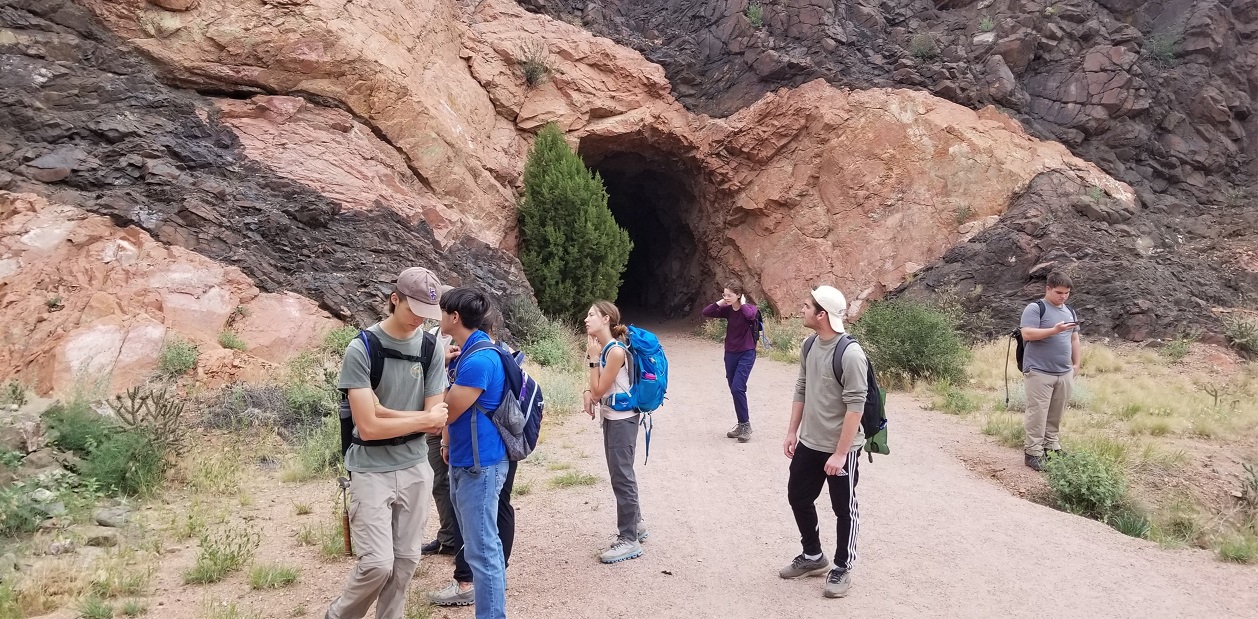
pixel 934 539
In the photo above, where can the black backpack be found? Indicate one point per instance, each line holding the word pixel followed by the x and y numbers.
pixel 874 417
pixel 376 355
pixel 1016 336
pixel 757 329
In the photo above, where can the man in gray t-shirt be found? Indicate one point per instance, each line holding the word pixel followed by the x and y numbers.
pixel 1050 360
pixel 391 480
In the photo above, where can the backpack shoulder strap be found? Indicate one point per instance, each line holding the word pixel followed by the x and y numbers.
pixel 807 346
pixel 610 345
pixel 426 350
pixel 1073 315
pixel 836 361
pixel 375 356
pixel 1040 304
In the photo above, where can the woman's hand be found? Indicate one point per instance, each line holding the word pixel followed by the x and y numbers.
pixel 592 349
pixel 588 403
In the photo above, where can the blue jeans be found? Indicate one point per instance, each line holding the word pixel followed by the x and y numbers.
pixel 475 497
pixel 737 371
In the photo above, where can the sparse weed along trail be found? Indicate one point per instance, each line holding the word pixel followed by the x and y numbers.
pixel 935 540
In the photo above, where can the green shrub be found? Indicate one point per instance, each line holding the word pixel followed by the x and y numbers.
pixel 923 46
pixel 130 463
pixel 1241 547
pixel 177 357
pixel 572 249
pixel 319 454
pixel 535 61
pixel 908 341
pixel 987 24
pixel 222 553
pixel 75 427
pixel 954 401
pixel 1086 484
pixel 311 401
pixel 1131 522
pixel 1008 429
pixel 9 607
pixel 338 339
pixel 549 352
pixel 273 576
pixel 712 329
pixel 18 511
pixel 755 15
pixel 1176 349
pixel 572 479
pixel 1242 333
pixel 227 339
pixel 134 608
pixel 95 608
pixel 1162 47
pixel 14 393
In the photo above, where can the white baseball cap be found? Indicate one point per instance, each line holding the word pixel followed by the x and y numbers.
pixel 833 302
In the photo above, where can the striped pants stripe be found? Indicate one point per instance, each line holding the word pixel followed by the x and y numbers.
pixel 804 486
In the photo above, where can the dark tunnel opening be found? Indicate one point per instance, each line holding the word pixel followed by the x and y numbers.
pixel 650 200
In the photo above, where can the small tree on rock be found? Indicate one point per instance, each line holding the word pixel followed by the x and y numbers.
pixel 571 248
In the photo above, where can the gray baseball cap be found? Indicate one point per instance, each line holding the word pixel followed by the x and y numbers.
pixel 422 290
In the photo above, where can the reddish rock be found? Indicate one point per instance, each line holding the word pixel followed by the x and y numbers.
pixel 120 295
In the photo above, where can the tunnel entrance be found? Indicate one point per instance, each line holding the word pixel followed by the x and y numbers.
pixel 650 200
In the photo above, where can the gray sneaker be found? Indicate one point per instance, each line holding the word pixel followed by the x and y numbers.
pixel 736 432
pixel 837 583
pixel 622 550
pixel 452 596
pixel 803 566
pixel 642 532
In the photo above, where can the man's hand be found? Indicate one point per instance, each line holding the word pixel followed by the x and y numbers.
pixel 445 455
pixel 1075 368
pixel 1063 326
pixel 438 415
pixel 788 446
pixel 452 351
pixel 835 464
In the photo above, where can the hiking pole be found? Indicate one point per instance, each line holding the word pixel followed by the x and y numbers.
pixel 343 482
pixel 1007 349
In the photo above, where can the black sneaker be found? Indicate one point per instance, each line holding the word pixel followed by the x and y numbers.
pixel 436 548
pixel 837 583
pixel 1036 463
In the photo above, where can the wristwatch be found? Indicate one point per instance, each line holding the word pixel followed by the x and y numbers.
pixel 593 365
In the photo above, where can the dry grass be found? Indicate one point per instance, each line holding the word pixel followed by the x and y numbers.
pixel 52 585
pixel 1146 411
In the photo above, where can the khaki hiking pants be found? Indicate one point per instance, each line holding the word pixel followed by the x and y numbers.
pixel 387 516
pixel 1046 398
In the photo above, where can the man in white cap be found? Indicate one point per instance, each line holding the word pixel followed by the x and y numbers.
pixel 824 441
pixel 391 480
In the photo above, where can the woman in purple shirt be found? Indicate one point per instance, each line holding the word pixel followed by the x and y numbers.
pixel 740 351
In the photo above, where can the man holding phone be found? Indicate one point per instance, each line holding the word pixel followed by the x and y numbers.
pixel 1050 329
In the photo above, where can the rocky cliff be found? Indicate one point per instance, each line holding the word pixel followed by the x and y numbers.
pixel 318 146
pixel 1157 93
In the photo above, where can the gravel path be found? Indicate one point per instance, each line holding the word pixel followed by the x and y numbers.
pixel 934 540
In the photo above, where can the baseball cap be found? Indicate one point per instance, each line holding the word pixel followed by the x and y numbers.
pixel 422 291
pixel 833 302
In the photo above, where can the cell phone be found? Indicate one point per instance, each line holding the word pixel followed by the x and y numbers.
pixel 1075 322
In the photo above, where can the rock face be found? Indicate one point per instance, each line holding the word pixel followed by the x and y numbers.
pixel 360 137
pixel 84 298
pixel 1157 93
pixel 75 98
pixel 770 195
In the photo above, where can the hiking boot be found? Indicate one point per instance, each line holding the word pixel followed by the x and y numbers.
pixel 1036 463
pixel 435 547
pixel 803 566
pixel 642 532
pixel 736 432
pixel 837 583
pixel 622 550
pixel 452 596
pixel 745 435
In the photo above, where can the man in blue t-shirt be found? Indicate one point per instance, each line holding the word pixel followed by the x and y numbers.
pixel 473 448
